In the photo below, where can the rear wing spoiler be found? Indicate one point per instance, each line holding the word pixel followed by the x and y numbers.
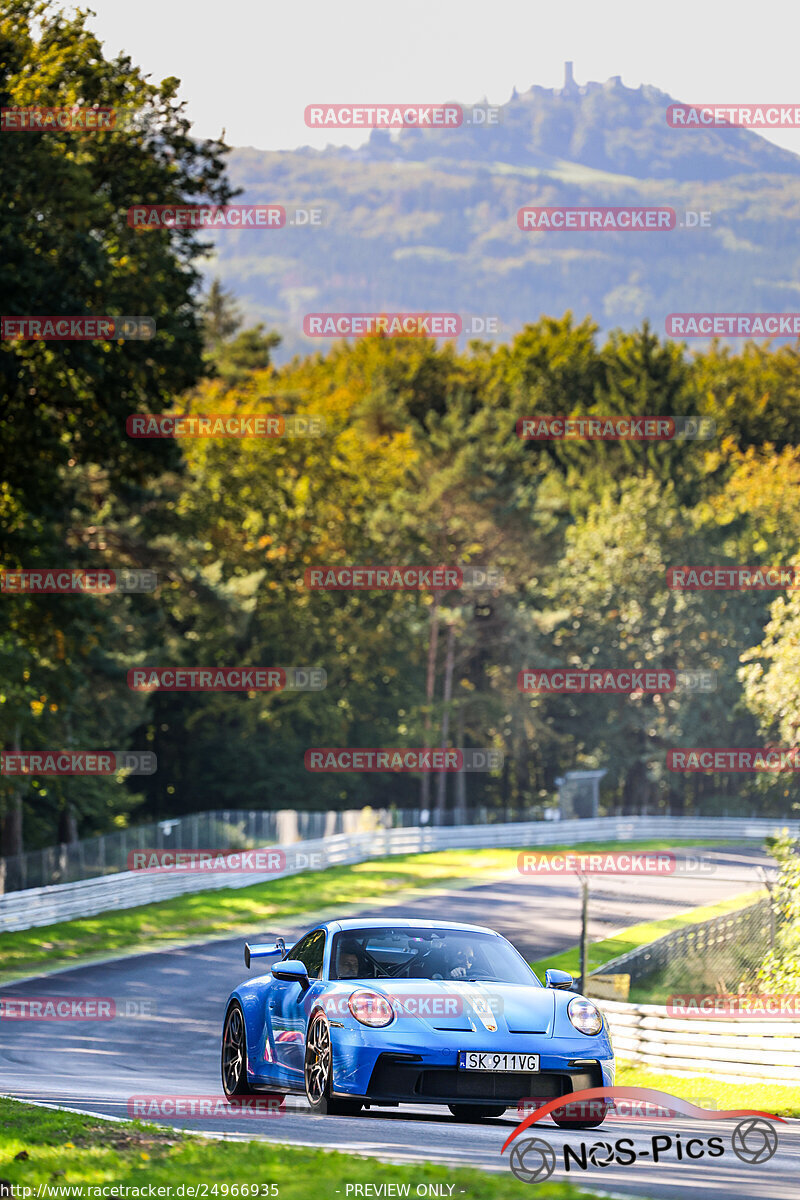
pixel 275 949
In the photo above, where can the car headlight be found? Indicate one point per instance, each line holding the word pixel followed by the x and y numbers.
pixel 371 1009
pixel 585 1016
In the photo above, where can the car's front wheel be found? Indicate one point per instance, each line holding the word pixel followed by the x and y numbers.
pixel 469 1112
pixel 234 1054
pixel 318 1072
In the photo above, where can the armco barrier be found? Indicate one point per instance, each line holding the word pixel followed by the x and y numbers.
pixel 730 1049
pixel 224 829
pixel 127 889
pixel 45 906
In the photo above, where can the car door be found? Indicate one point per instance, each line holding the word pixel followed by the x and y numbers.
pixel 289 1006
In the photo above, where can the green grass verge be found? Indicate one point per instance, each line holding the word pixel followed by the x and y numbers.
pixel 779 1099
pixel 42 1146
pixel 603 951
pixel 263 906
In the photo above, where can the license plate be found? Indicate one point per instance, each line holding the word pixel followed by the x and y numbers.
pixel 474 1060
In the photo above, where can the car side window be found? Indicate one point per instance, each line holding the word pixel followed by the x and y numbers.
pixel 298 950
pixel 310 951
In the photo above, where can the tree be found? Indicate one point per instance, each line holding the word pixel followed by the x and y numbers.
pixel 250 351
pixel 610 606
pixel 780 970
pixel 221 317
pixel 75 488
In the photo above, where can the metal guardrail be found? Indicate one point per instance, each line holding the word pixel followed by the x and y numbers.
pixel 221 829
pixel 754 924
pixel 730 1049
pixel 227 829
pixel 129 889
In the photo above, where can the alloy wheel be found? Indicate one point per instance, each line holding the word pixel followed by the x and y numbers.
pixel 318 1061
pixel 233 1052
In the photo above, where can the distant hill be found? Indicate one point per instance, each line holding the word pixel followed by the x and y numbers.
pixel 426 221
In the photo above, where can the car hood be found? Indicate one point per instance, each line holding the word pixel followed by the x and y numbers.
pixel 458 1005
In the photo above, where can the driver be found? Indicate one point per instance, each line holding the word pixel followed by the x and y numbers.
pixel 348 960
pixel 465 957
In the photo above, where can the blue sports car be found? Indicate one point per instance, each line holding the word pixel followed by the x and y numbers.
pixel 362 1013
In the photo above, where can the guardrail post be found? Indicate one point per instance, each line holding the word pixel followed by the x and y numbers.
pixel 584 930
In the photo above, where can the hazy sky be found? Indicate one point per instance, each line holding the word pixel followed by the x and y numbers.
pixel 251 66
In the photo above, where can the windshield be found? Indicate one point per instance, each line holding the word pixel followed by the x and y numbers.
pixel 419 953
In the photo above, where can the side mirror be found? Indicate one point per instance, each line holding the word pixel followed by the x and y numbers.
pixel 291 970
pixel 559 979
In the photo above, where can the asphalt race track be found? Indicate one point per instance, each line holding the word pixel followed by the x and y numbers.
pixel 170 1044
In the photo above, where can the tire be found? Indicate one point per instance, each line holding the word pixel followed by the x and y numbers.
pixel 472 1112
pixel 233 1059
pixel 318 1072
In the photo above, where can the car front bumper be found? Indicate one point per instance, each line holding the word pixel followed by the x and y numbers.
pixel 398 1073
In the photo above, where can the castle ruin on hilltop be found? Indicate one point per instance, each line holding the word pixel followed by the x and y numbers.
pixel 571 88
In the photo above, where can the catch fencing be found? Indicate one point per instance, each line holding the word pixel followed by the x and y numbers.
pixel 128 889
pixel 750 930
